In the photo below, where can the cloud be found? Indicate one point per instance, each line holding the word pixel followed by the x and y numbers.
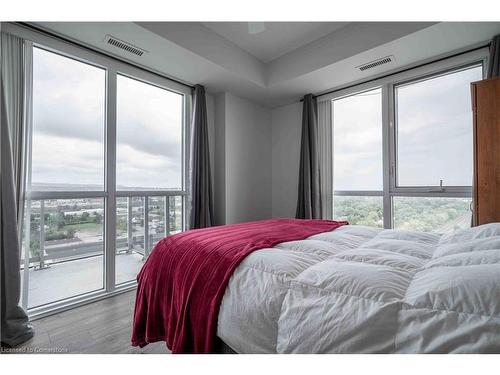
pixel 434 134
pixel 357 142
pixel 138 169
pixel 69 126
pixel 435 130
pixel 67 160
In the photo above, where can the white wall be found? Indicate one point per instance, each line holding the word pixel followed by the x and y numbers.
pixel 243 179
pixel 286 133
pixel 255 157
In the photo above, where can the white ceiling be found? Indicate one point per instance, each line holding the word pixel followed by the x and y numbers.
pixel 194 53
pixel 277 39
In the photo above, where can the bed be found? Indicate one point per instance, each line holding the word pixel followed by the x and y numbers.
pixel 359 289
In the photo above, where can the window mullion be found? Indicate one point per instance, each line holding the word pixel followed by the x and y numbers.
pixel 358 193
pixel 110 207
pixel 387 154
pixel 418 192
pixel 146 227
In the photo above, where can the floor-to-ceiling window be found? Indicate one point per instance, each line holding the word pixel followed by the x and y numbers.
pixel 433 151
pixel 106 166
pixel 149 169
pixel 402 148
pixel 357 162
pixel 66 180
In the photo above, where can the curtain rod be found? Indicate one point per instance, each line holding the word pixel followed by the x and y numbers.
pixel 99 51
pixel 401 71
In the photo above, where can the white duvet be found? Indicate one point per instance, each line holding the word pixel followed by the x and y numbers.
pixel 365 290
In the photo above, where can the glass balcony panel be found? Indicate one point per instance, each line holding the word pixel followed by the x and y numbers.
pixel 156 222
pixel 129 238
pixel 176 209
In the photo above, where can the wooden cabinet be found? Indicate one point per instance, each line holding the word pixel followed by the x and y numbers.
pixel 486 112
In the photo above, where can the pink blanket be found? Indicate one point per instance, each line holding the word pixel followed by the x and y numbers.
pixel 181 285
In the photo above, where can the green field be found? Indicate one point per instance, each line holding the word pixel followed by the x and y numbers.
pixel 90 228
pixel 413 213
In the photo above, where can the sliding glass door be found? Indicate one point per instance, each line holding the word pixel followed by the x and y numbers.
pixel 64 222
pixel 106 173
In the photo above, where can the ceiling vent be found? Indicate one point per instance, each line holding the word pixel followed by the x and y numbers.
pixel 124 45
pixel 375 63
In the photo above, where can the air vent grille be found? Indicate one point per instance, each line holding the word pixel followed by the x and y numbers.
pixel 124 45
pixel 375 63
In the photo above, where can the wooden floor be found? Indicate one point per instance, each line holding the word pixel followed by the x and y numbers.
pixel 101 327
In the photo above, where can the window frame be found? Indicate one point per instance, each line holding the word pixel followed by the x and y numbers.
pixel 389 130
pixel 358 193
pixel 122 193
pixel 112 67
pixel 394 136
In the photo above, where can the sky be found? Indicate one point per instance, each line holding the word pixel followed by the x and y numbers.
pixel 435 130
pixel 69 127
pixel 357 142
pixel 149 136
pixel 434 134
pixel 434 123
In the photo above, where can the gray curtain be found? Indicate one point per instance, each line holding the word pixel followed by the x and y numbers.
pixel 309 197
pixel 325 140
pixel 201 180
pixel 494 60
pixel 15 327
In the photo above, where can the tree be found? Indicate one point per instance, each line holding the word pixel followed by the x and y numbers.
pixel 97 217
pixel 70 233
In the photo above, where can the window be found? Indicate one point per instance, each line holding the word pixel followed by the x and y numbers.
pixel 402 148
pixel 64 225
pixel 105 183
pixel 149 145
pixel 360 210
pixel 69 108
pixel 432 214
pixel 357 158
pixel 130 240
pixel 66 249
pixel 434 132
pixel 357 141
pixel 149 137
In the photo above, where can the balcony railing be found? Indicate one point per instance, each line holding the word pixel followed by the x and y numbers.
pixel 76 227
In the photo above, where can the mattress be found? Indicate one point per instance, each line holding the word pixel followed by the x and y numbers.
pixel 366 290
